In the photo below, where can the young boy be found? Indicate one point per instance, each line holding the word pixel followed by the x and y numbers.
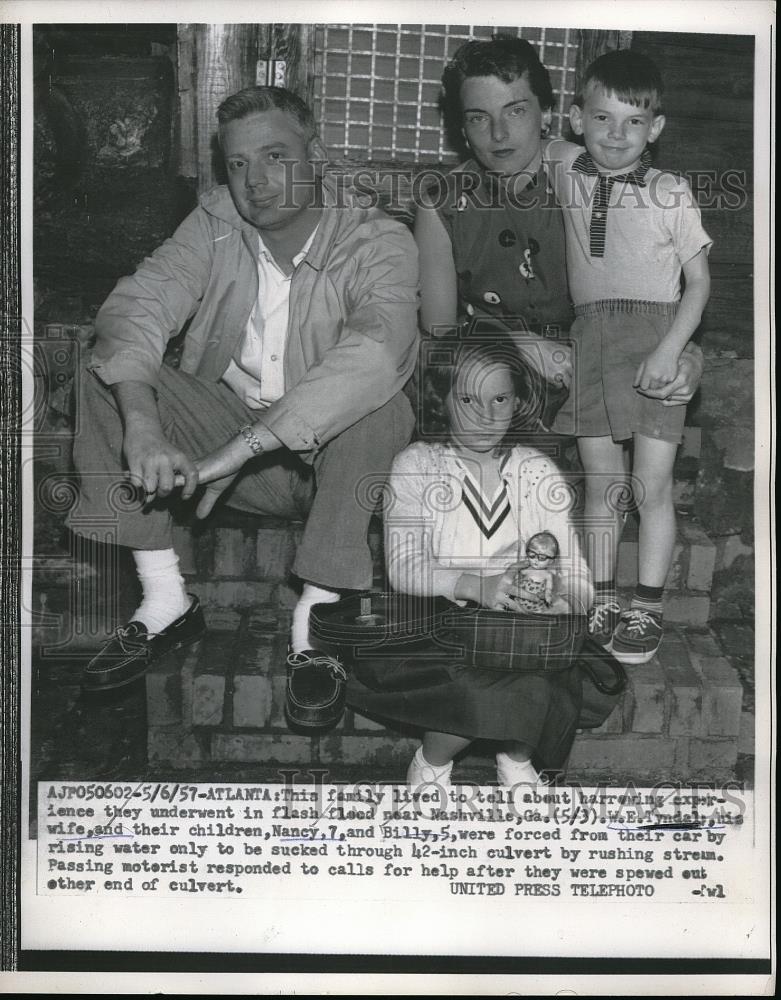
pixel 630 232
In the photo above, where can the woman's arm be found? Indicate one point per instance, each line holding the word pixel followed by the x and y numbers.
pixel 438 284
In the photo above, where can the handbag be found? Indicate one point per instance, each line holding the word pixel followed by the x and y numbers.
pixel 603 681
pixel 378 623
pixel 504 640
pixel 374 624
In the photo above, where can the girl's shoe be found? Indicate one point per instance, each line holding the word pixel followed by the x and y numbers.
pixel 511 772
pixel 638 636
pixel 420 772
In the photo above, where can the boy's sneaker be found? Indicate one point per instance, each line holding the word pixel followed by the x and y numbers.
pixel 638 636
pixel 603 620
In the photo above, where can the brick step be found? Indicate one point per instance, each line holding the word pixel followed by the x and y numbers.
pixel 222 702
pixel 693 563
pixel 244 563
pixel 680 717
pixel 249 564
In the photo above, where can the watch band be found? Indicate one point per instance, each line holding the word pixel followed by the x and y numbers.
pixel 251 438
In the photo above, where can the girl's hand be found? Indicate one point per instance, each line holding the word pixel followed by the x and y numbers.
pixel 558 606
pixel 506 592
pixel 498 592
pixel 659 369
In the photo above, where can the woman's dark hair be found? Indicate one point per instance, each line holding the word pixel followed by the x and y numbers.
pixel 442 358
pixel 503 56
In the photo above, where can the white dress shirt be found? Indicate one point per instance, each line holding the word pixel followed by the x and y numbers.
pixel 256 372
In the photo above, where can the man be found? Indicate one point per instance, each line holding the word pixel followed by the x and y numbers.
pixel 302 312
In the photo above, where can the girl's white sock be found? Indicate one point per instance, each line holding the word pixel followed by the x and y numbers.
pixel 311 595
pixel 421 772
pixel 164 597
pixel 511 772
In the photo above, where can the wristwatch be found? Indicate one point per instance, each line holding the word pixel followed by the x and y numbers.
pixel 252 439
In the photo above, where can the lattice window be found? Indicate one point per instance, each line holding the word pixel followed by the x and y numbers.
pixel 377 85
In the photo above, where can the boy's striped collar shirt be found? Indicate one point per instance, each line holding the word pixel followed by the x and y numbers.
pixel 584 164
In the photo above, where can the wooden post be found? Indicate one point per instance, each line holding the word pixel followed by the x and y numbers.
pixel 186 128
pixel 216 60
pixel 594 44
pixel 225 58
pixel 294 45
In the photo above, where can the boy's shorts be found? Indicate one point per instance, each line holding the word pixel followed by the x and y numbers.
pixel 611 337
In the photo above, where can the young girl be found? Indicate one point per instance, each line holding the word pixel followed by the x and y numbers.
pixel 464 502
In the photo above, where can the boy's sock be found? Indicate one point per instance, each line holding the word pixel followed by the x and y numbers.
pixel 605 592
pixel 648 598
pixel 164 597
pixel 640 631
pixel 311 595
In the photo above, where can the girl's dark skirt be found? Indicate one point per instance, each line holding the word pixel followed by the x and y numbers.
pixel 439 693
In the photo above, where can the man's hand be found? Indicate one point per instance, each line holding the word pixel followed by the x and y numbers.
pixel 685 383
pixel 212 494
pixel 156 464
pixel 153 462
pixel 216 471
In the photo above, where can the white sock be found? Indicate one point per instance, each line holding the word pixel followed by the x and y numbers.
pixel 164 597
pixel 511 772
pixel 421 772
pixel 311 595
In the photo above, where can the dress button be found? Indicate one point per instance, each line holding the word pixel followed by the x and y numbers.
pixel 598 215
pixel 274 357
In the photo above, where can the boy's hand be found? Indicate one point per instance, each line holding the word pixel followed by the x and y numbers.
pixel 659 369
pixel 690 368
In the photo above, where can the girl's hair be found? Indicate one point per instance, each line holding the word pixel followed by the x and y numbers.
pixel 503 56
pixel 442 358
